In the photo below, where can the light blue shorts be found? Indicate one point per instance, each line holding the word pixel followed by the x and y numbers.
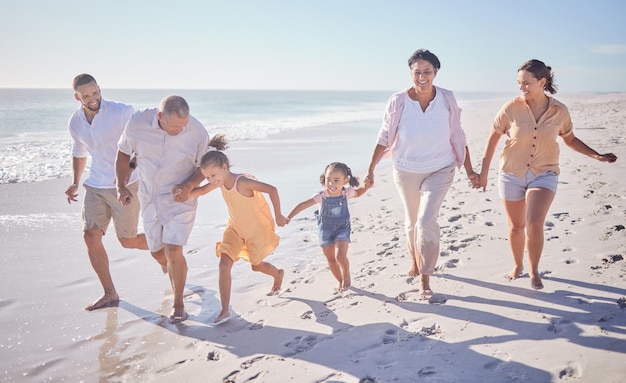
pixel 513 188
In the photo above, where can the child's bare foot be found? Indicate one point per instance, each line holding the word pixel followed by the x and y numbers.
pixel 222 317
pixel 535 281
pixel 178 315
pixel 278 282
pixel 103 301
pixel 515 273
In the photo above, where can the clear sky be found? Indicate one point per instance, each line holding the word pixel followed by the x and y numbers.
pixel 310 44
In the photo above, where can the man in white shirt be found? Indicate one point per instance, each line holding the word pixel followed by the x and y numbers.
pixel 95 128
pixel 168 144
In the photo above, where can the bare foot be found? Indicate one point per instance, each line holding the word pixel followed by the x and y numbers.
pixel 515 273
pixel 414 271
pixel 278 282
pixel 103 301
pixel 425 286
pixel 347 282
pixel 178 315
pixel 222 317
pixel 535 281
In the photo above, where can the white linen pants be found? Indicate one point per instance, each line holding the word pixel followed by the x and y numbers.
pixel 422 195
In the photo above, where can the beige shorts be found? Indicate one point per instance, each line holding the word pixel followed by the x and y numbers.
pixel 174 232
pixel 100 205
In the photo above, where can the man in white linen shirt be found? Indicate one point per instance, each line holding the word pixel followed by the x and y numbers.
pixel 96 127
pixel 168 143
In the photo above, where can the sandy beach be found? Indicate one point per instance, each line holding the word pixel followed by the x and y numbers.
pixel 478 327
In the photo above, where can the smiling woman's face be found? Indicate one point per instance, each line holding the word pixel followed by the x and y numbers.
pixel 529 85
pixel 423 74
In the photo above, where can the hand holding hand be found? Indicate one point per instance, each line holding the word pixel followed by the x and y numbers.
pixel 474 179
pixel 180 193
pixel 281 220
pixel 369 180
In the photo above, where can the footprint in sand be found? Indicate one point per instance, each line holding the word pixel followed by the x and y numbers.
pixel 257 326
pixel 604 209
pixel 613 258
pixel 610 231
pixel 214 355
pixel 368 379
pixel 307 315
pixel 300 280
pixel 391 336
pixel 428 370
pixel 572 371
pixel 556 325
pixel 432 330
pixel 455 218
pixel 248 363
pixel 416 296
pixel 301 344
pixel 342 302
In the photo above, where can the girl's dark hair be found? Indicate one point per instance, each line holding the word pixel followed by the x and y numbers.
pixel 540 70
pixel 216 157
pixel 354 182
pixel 424 54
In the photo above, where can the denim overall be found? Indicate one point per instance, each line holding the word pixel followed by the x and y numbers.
pixel 333 220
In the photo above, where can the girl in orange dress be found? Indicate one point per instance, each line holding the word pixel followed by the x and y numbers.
pixel 249 233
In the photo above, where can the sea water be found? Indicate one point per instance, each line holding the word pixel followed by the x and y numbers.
pixel 35 143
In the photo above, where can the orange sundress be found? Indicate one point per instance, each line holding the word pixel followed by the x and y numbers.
pixel 249 233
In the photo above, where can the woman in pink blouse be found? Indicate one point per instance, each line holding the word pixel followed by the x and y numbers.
pixel 529 164
pixel 422 134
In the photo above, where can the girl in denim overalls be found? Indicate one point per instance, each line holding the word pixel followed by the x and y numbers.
pixel 333 217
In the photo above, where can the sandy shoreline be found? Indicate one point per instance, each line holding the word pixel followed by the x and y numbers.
pixel 477 328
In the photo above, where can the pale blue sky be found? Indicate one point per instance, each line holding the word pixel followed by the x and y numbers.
pixel 299 44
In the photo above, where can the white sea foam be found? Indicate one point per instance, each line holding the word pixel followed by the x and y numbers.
pixel 39 220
